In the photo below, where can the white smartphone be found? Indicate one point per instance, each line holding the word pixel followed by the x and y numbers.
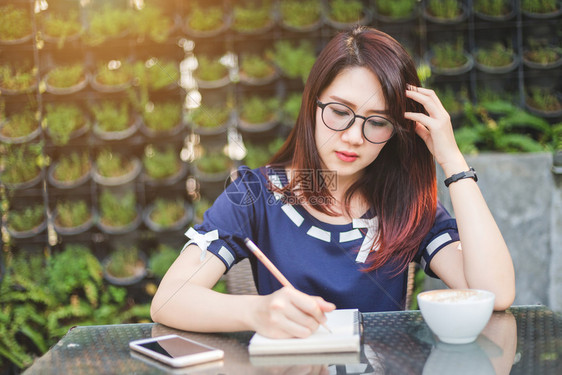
pixel 176 351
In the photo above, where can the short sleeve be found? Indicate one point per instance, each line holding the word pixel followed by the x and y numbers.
pixel 231 218
pixel 443 232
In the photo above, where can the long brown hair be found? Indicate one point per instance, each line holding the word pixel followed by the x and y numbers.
pixel 400 183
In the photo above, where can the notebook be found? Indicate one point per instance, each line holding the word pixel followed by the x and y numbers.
pixel 345 337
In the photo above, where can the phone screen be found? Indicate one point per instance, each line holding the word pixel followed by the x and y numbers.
pixel 174 347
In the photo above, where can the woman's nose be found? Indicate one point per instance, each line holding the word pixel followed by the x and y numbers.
pixel 354 134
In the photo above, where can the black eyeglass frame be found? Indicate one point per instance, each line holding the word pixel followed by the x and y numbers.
pixel 352 121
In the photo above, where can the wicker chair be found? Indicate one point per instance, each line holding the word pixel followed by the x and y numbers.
pixel 239 280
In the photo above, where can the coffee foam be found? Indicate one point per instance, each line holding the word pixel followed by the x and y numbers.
pixel 452 296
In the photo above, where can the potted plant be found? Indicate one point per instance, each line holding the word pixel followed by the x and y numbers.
pixel 118 212
pixel 210 120
pixel 65 122
pixel 258 114
pixel 396 11
pixel 113 76
pixel 22 165
pixel 66 79
pixel 126 265
pixel 17 80
pixel 59 28
pixel 453 101
pixel 211 73
pixel 540 8
pixel 544 101
pixel 20 127
pixel 114 120
pixel 107 23
pixel 168 215
pixel 161 260
pixel 15 25
pixel 252 18
pixel 291 108
pixel 259 154
pixel 113 169
pixel 162 119
pixel 494 10
pixel 70 170
pixel 540 54
pixel 496 58
pixel 445 11
pixel 150 22
pixel 72 217
pixel 302 16
pixel 343 14
pixel 200 206
pixel 294 61
pixel 163 166
pixel 161 74
pixel 213 167
pixel 208 21
pixel 27 221
pixel 450 58
pixel 257 70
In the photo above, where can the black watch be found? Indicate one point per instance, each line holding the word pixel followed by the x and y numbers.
pixel 471 173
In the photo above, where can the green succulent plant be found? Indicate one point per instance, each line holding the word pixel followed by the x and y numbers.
pixel 62 119
pixel 71 167
pixel 257 110
pixel 300 13
pixel 112 164
pixel 117 210
pixel 72 213
pixel 206 18
pixel 26 218
pixel 20 124
pixel 161 260
pixel 15 22
pixel 167 212
pixel 346 11
pixel 66 75
pixel 160 163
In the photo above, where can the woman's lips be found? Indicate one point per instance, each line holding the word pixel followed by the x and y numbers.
pixel 346 156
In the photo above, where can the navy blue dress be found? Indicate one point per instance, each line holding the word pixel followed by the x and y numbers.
pixel 318 258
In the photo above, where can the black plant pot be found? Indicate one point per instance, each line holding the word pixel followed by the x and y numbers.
pixel 66 90
pixel 179 225
pixel 119 180
pixel 73 231
pixel 19 140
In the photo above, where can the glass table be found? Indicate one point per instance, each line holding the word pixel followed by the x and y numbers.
pixel 522 340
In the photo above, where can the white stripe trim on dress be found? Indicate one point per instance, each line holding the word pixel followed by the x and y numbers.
pixel 437 242
pixel 320 234
pixel 350 235
pixel 293 214
pixel 372 226
pixel 226 255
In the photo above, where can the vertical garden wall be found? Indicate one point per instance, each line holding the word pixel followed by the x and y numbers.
pixel 120 122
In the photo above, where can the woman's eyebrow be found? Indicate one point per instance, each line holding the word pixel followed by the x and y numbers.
pixel 354 107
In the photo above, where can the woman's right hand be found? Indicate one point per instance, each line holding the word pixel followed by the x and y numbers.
pixel 289 313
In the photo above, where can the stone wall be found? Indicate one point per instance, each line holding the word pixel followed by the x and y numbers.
pixel 525 198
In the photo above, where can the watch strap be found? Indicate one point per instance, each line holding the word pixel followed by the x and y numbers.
pixel 471 173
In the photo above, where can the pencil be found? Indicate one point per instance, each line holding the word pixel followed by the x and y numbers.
pixel 271 267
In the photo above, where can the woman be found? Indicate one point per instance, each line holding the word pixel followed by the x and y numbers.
pixel 345 205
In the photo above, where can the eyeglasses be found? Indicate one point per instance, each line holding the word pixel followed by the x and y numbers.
pixel 339 117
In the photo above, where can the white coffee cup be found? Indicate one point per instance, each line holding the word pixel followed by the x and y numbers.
pixel 456 316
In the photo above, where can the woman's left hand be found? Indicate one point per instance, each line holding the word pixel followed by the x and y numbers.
pixel 435 129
